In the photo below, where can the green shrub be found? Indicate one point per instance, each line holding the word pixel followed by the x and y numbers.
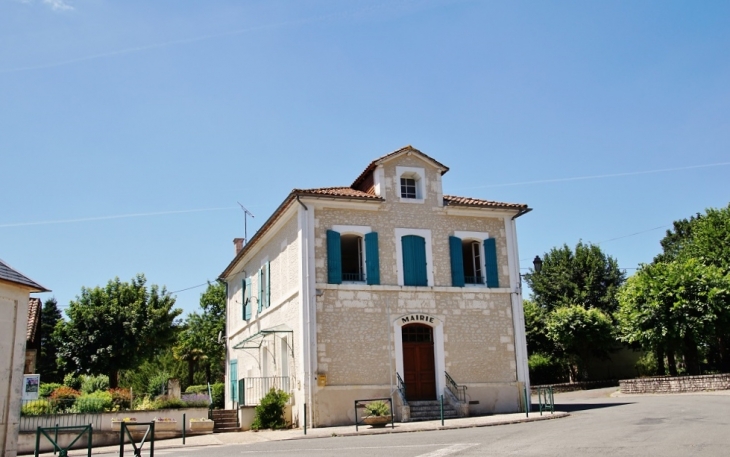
pixel 270 412
pixel 91 384
pixel 218 391
pixel 122 399
pixel 144 404
pixel 377 408
pixel 202 389
pixel 545 369
pixel 157 384
pixel 167 402
pixel 96 402
pixel 74 382
pixel 47 388
pixel 647 365
pixel 36 408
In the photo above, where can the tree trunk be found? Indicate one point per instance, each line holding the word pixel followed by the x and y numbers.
pixel 191 371
pixel 113 379
pixel 661 368
pixel 207 372
pixel 691 355
pixel 671 362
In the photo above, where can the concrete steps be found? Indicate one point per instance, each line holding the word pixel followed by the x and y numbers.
pixel 225 421
pixel 430 410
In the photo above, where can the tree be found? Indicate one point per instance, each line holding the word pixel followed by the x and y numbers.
pixel 117 327
pixel 198 342
pixel 579 333
pixel 47 366
pixel 586 277
pixel 676 306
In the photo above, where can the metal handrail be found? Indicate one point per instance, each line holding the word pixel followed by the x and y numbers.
pixel 459 391
pixel 402 389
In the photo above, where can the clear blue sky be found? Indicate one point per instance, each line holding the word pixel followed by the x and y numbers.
pixel 136 107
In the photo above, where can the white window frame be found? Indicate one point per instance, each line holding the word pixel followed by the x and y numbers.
pixel 419 174
pixel 480 237
pixel 361 231
pixel 423 233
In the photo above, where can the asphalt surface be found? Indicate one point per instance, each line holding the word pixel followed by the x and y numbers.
pixel 598 425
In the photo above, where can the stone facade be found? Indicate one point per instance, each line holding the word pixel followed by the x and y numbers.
pixel 679 384
pixel 347 342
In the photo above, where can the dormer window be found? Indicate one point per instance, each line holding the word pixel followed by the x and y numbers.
pixel 412 184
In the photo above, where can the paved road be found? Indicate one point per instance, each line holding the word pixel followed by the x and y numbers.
pixel 599 425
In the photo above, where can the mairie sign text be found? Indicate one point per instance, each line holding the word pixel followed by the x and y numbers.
pixel 417 318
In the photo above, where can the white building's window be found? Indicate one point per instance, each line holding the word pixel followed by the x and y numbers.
pixel 353 261
pixel 412 182
pixel 414 257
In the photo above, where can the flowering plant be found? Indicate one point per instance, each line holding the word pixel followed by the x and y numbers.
pixel 164 419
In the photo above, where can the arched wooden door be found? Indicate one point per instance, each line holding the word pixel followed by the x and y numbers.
pixel 419 370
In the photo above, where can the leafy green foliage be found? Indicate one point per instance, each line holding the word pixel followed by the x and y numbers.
pixel 270 411
pixel 218 391
pixel 546 369
pixel 377 408
pixel 585 277
pixel 167 402
pixel 65 393
pixel 579 333
pixel 91 384
pixel 198 342
pixel 36 408
pixel 116 327
pixel 72 381
pixel 47 388
pixel 121 398
pixel 157 384
pixel 47 365
pixel 96 402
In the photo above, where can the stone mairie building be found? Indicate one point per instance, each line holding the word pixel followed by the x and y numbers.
pixel 385 288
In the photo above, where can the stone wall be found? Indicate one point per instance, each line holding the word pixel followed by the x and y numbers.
pixel 666 384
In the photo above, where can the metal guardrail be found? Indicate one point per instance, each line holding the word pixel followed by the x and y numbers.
pixel 252 390
pixel 149 433
pixel 546 399
pixel 401 389
pixel 63 451
pixel 459 391
pixel 361 404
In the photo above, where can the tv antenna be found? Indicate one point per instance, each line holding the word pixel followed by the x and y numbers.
pixel 246 213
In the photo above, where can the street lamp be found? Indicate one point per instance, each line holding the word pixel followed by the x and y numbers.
pixel 537 264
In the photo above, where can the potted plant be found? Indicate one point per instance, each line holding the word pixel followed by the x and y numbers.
pixel 377 414
pixel 117 423
pixel 201 425
pixel 165 424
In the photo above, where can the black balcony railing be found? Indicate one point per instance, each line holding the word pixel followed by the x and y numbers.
pixel 474 279
pixel 353 277
pixel 254 389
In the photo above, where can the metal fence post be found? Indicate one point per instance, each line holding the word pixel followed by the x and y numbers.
pixel 184 428
pixel 527 403
pixel 441 403
pixel 305 418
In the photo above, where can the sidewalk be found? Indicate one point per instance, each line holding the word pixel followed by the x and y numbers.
pixel 251 437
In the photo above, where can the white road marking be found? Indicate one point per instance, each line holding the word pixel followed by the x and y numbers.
pixel 340 449
pixel 448 450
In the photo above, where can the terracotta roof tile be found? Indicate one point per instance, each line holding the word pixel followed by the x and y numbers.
pixel 337 192
pixel 452 200
pixel 34 316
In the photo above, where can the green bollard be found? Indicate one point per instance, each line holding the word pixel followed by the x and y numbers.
pixel 442 410
pixel 184 429
pixel 305 418
pixel 527 403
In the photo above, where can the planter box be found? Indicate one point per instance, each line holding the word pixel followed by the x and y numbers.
pixel 117 425
pixel 202 426
pixel 165 426
pixel 377 421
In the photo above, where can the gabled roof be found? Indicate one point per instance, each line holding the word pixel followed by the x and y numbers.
pixel 393 155
pixel 346 192
pixel 34 318
pixel 9 274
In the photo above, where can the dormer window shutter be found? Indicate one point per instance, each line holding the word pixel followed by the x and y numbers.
pixel 372 260
pixel 334 258
pixel 490 254
pixel 457 262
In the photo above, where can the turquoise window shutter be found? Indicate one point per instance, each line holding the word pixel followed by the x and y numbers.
pixel 234 379
pixel 490 254
pixel 334 258
pixel 260 298
pixel 372 260
pixel 457 262
pixel 247 299
pixel 414 261
pixel 268 284
pixel 244 305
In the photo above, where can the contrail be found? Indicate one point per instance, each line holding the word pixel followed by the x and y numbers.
pixel 613 175
pixel 118 216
